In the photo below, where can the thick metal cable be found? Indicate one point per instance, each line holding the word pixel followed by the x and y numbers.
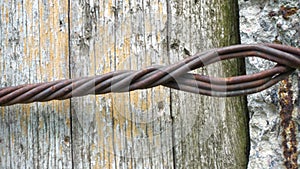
pixel 175 76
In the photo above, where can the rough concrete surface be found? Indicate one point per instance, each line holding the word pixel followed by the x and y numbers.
pixel 273 21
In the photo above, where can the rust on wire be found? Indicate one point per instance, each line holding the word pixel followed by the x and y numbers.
pixel 289 142
pixel 175 76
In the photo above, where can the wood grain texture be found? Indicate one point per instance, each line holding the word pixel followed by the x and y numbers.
pixel 34 40
pixel 209 132
pixel 130 129
pixel 155 128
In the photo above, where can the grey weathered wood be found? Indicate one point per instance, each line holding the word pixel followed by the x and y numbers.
pixel 210 132
pixel 138 26
pixel 34 41
pixel 154 128
pixel 125 130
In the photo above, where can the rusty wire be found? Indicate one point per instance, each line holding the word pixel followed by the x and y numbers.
pixel 174 76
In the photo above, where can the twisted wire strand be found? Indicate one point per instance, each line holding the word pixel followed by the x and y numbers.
pixel 174 76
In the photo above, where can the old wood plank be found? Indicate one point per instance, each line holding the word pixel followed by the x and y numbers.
pixel 120 130
pixel 209 132
pixel 34 40
pixel 142 118
pixel 81 64
pixel 92 30
pixel 106 62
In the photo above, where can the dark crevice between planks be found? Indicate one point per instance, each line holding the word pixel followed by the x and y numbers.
pixel 169 16
pixel 114 68
pixel 70 76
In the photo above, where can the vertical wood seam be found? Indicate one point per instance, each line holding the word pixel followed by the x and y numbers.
pixel 36 79
pixel 70 75
pixel 169 16
pixel 115 67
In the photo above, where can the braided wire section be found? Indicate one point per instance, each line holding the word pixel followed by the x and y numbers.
pixel 174 76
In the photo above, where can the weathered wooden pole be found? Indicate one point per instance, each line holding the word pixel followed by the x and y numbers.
pixel 155 128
